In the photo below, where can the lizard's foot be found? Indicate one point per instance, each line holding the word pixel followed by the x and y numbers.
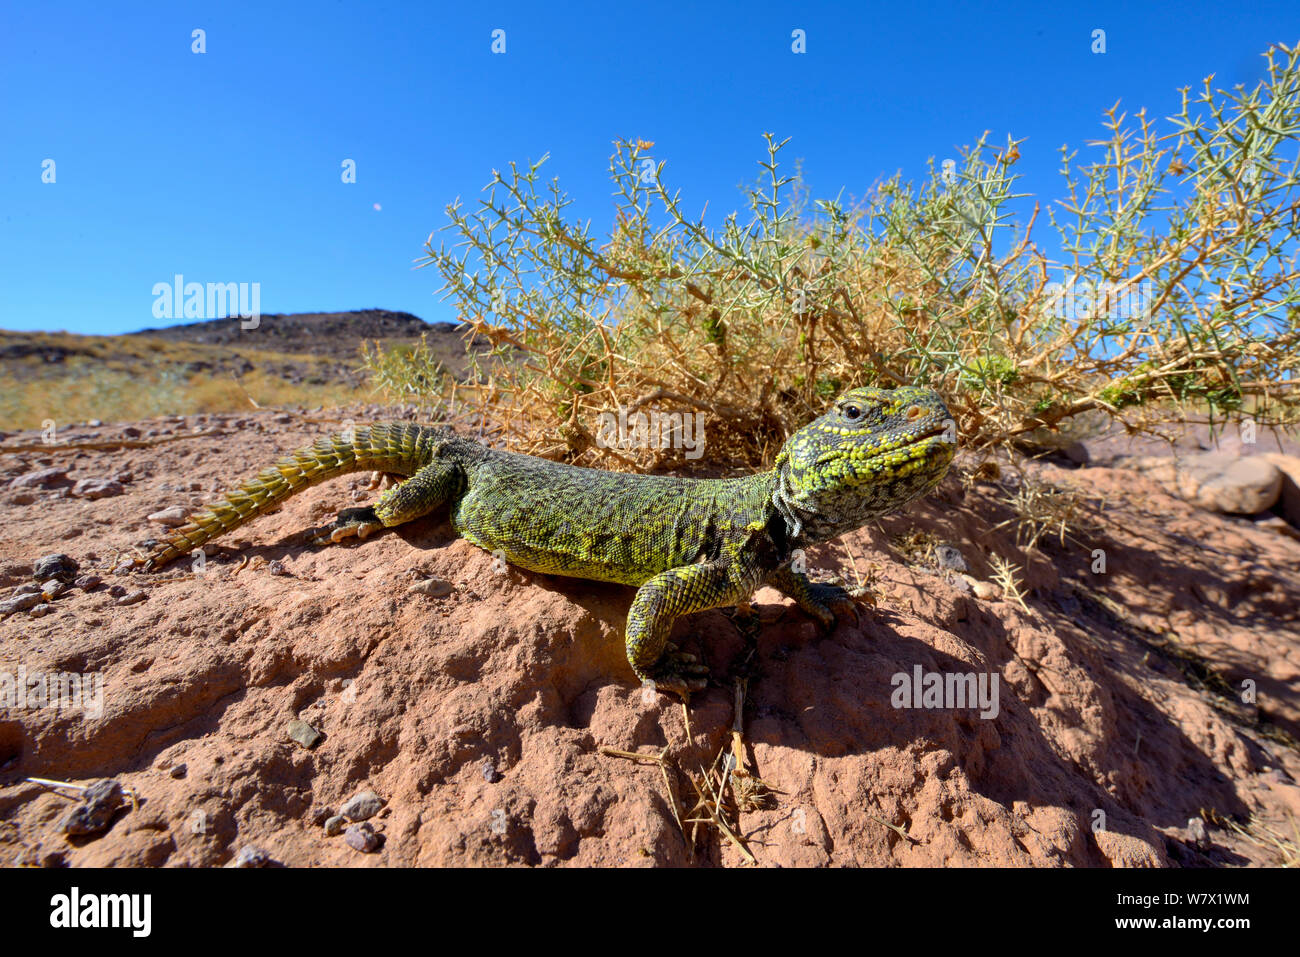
pixel 829 603
pixel 359 522
pixel 678 672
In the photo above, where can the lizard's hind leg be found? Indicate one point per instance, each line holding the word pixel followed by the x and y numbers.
pixel 437 483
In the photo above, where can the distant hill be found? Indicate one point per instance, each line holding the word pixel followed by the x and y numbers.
pixel 334 335
pixel 212 366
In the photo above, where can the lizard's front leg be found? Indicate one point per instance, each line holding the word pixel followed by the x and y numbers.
pixel 661 601
pixel 437 483
pixel 822 600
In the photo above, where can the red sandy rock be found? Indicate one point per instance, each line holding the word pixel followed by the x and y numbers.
pixel 1102 749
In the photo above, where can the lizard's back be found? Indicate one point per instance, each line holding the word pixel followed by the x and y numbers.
pixel 608 526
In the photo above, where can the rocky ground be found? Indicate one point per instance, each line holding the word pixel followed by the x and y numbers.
pixel 1148 704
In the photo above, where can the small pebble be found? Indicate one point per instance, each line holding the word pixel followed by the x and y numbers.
pixel 87 582
pixel 40 611
pixel 173 517
pixel 433 587
pixel 361 837
pixel 948 557
pixel 362 806
pixel 117 591
pixel 55 566
pixel 304 734
pixel 132 598
pixel 180 770
pixel 251 856
pixel 41 479
pixel 103 790
pixel 334 825
pixel 20 603
pixel 94 812
pixel 97 488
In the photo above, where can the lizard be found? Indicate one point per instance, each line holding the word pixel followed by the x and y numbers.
pixel 685 544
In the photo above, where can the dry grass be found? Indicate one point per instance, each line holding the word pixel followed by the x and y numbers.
pixel 1042 508
pixel 1007 577
pixel 1281 841
pixel 120 378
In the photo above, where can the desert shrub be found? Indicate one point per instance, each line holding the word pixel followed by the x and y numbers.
pixel 1175 290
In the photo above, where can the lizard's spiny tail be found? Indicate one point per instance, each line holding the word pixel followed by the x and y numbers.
pixel 400 448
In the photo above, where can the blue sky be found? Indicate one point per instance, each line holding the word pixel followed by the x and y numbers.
pixel 225 166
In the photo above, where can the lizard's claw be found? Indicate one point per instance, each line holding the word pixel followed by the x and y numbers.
pixel 830 603
pixel 359 522
pixel 679 672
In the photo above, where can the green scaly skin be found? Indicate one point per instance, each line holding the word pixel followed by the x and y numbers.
pixel 685 544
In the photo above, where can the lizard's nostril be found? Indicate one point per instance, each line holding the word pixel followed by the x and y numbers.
pixel 914 412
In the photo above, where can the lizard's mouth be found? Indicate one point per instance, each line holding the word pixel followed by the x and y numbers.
pixel 936 444
pixel 927 438
pixel 937 436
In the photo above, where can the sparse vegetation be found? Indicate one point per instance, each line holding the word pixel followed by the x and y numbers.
pixel 1177 289
pixel 1042 508
pixel 411 372
pixel 1007 577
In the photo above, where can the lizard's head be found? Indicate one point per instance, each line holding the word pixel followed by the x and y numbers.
pixel 873 451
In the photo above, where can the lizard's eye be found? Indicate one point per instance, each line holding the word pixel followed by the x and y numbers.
pixel 851 412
